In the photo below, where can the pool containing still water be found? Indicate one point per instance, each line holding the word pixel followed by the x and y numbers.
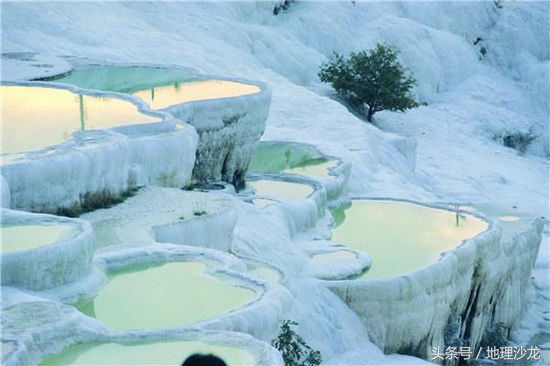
pixel 290 158
pixel 158 87
pixel 36 117
pixel 282 190
pixel 159 353
pixel 170 295
pixel 18 238
pixel 401 237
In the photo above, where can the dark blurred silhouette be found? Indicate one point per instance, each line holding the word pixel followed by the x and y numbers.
pixel 199 359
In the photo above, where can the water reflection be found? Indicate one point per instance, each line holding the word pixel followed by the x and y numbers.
pixel 314 167
pixel 290 158
pixel 170 295
pixel 400 236
pixel 159 87
pixel 282 190
pixel 160 353
pixel 37 117
pixel 165 96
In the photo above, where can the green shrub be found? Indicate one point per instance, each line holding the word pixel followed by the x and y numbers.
pixel 370 81
pixel 294 349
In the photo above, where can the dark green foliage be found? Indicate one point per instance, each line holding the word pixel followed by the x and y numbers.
pixel 517 140
pixel 495 336
pixel 281 6
pixel 294 349
pixel 94 201
pixel 370 81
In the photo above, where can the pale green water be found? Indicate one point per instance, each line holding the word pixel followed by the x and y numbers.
pixel 161 353
pixel 158 87
pixel 289 158
pixel 165 96
pixel 124 79
pixel 265 273
pixel 170 295
pixel 341 254
pixel 315 168
pixel 16 238
pixel 37 117
pixel 401 237
pixel 282 190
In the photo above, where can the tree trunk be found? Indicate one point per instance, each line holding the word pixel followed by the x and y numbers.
pixel 370 113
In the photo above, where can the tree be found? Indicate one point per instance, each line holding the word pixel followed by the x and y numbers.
pixel 294 349
pixel 372 81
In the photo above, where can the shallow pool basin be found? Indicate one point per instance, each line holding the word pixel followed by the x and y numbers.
pixel 292 158
pixel 21 237
pixel 36 117
pixel 282 190
pixel 400 236
pixel 170 295
pixel 158 87
pixel 158 353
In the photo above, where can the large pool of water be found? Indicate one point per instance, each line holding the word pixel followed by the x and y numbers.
pixel 160 353
pixel 170 295
pixel 17 238
pixel 400 236
pixel 282 190
pixel 290 158
pixel 159 87
pixel 37 117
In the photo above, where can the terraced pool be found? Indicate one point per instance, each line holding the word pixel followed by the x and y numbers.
pixel 158 87
pixel 17 238
pixel 401 237
pixel 36 117
pixel 159 353
pixel 170 295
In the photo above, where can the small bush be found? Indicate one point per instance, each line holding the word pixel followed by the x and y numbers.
pixel 94 201
pixel 294 349
pixel 496 336
pixel 281 6
pixel 518 141
pixel 370 81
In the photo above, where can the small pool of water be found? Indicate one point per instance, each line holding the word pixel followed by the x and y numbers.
pixel 341 254
pixel 315 168
pixel 290 158
pixel 159 87
pixel 282 190
pixel 265 273
pixel 37 117
pixel 170 295
pixel 17 238
pixel 401 237
pixel 165 96
pixel 159 353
